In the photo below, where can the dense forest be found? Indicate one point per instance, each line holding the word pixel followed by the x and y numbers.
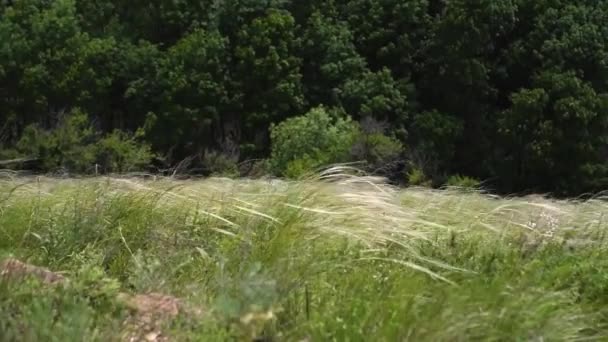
pixel 510 92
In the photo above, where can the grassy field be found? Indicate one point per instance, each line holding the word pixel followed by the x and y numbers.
pixel 335 258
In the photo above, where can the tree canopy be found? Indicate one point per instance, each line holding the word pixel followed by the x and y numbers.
pixel 512 92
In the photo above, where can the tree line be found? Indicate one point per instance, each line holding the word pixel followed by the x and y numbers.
pixel 511 92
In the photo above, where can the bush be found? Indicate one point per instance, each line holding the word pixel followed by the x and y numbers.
pixel 433 136
pixel 417 177
pixel 217 164
pixel 75 146
pixel 301 167
pixel 380 152
pixel 463 182
pixel 255 168
pixel 318 138
pixel 70 145
pixel 121 152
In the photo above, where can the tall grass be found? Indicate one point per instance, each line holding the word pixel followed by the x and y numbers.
pixel 333 257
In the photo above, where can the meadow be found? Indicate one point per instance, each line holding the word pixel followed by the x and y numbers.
pixel 335 257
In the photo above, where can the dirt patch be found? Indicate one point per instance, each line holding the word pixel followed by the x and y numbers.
pixel 15 269
pixel 149 312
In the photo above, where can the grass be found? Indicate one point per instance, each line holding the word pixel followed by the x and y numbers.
pixel 335 258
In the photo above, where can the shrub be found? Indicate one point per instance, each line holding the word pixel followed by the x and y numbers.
pixel 317 138
pixel 463 182
pixel 380 152
pixel 121 152
pixel 301 167
pixel 217 164
pixel 70 145
pixel 7 153
pixel 255 168
pixel 433 135
pixel 417 177
pixel 75 146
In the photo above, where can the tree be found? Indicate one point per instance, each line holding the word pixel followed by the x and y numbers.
pixel 497 90
pixel 330 59
pixel 266 77
pixel 555 134
pixel 378 95
pixel 433 136
pixel 555 76
pixel 389 34
pixel 192 93
pixel 50 65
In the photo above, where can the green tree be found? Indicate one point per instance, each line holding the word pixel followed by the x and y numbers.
pixel 554 74
pixel 48 64
pixel 266 77
pixel 496 90
pixel 191 93
pixel 459 72
pixel 433 136
pixel 376 94
pixel 330 59
pixel 389 34
pixel 555 134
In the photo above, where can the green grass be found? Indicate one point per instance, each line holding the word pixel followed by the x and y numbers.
pixel 337 258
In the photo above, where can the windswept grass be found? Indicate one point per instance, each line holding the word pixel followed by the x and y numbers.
pixel 336 257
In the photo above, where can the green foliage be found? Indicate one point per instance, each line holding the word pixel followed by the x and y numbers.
pixel 330 59
pixel 121 152
pixel 462 182
pixel 218 164
pixel 377 95
pixel 301 167
pixel 437 132
pixel 382 153
pixel 193 90
pixel 71 145
pixel 87 307
pixel 267 76
pixel 316 139
pixel 75 146
pixel 390 33
pixel 381 149
pixel 561 120
pixel 294 260
pixel 507 91
pixel 434 136
pixel 50 64
pixel 417 177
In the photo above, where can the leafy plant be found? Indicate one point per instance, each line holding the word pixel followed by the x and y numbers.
pixel 417 177
pixel 75 146
pixel 121 152
pixel 69 145
pixel 318 138
pixel 381 152
pixel 463 182
pixel 218 164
